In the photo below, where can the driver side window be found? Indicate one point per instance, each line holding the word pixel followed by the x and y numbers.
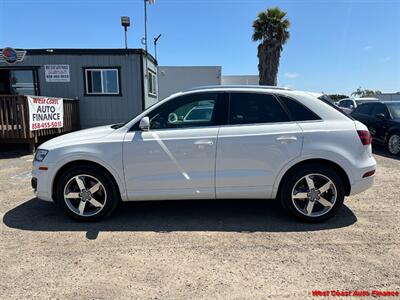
pixel 188 111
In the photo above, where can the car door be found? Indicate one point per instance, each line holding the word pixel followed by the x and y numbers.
pixel 363 113
pixel 378 125
pixel 258 141
pixel 175 159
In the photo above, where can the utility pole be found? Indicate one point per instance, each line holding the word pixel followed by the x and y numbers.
pixel 155 45
pixel 145 32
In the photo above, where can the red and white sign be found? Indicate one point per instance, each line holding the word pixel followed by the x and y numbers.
pixel 45 112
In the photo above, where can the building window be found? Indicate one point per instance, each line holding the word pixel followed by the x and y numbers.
pixel 18 82
pixel 152 83
pixel 102 81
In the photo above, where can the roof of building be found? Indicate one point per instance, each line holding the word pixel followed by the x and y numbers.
pixel 87 51
pixel 381 101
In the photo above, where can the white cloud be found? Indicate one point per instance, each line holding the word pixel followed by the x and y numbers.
pixel 386 59
pixel 366 48
pixel 291 75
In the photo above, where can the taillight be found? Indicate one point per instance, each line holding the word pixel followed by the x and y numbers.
pixel 365 137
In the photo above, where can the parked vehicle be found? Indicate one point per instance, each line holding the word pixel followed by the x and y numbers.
pixel 383 121
pixel 258 142
pixel 349 104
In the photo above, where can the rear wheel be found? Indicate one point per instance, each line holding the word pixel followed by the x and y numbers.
pixel 393 144
pixel 312 193
pixel 87 193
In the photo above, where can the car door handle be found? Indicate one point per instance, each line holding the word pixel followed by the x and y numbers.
pixel 203 143
pixel 286 139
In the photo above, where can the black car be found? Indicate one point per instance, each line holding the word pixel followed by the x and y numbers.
pixel 383 121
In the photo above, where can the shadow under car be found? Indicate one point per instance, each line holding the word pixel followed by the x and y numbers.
pixel 238 215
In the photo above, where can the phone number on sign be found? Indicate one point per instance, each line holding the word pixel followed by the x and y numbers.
pixel 46 125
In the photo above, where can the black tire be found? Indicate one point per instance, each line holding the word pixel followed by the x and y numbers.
pixel 296 175
pixel 389 148
pixel 110 195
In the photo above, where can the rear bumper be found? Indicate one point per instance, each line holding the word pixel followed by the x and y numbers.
pixel 361 185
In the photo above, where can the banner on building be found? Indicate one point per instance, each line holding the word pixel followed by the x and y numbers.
pixel 45 112
pixel 56 73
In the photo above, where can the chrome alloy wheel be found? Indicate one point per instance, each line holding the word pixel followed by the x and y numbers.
pixel 85 195
pixel 314 195
pixel 394 144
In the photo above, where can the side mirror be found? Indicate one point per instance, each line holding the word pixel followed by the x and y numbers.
pixel 144 124
pixel 381 116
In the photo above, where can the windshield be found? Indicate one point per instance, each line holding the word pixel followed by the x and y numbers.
pixel 394 109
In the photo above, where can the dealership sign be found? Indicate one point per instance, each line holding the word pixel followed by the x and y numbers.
pixel 11 56
pixel 45 112
pixel 56 73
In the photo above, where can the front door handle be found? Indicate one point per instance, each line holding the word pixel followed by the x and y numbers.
pixel 286 139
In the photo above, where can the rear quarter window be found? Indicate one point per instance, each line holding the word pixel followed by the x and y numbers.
pixel 298 111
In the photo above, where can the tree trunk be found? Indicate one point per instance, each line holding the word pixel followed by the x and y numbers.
pixel 268 57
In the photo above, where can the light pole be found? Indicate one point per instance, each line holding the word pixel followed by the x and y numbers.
pixel 126 22
pixel 155 45
pixel 145 30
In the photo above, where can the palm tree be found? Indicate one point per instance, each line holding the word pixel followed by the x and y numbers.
pixel 365 93
pixel 271 29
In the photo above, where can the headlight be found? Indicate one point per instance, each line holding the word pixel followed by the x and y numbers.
pixel 40 154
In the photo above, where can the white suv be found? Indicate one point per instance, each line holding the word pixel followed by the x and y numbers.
pixel 253 142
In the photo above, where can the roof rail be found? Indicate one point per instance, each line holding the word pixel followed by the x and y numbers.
pixel 237 86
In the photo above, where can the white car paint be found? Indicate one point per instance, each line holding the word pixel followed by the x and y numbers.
pixel 228 161
pixel 250 156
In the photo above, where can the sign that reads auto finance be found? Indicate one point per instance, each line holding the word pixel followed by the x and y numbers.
pixel 56 73
pixel 45 112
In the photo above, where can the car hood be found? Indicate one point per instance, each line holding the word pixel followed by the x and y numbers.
pixel 78 137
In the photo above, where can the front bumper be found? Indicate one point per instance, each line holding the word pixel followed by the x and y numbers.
pixel 34 184
pixel 40 182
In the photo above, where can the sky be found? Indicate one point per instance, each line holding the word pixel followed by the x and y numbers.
pixel 335 46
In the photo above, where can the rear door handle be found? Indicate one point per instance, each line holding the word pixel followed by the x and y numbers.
pixel 286 139
pixel 203 143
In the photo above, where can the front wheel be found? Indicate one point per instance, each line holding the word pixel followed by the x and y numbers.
pixel 393 144
pixel 87 193
pixel 312 193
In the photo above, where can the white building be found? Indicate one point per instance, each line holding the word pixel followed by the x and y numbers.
pixel 172 79
pixel 388 96
pixel 240 79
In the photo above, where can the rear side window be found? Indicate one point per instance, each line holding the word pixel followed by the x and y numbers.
pixel 364 109
pixel 380 109
pixel 298 111
pixel 246 108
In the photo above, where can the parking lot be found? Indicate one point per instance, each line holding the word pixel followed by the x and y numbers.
pixel 196 249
